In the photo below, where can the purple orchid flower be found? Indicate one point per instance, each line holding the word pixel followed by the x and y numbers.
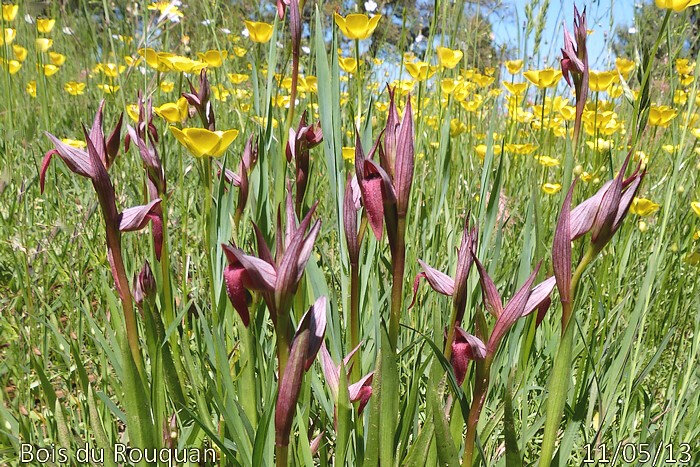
pixel 574 64
pixel 305 345
pixel 93 164
pixel 358 391
pixel 275 278
pixel 200 100
pixel 444 284
pixel 300 141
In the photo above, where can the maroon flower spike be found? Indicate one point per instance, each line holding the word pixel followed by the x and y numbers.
pixel 315 444
pixel 464 265
pixel 305 345
pixel 282 7
pixel 145 137
pixel 540 299
pixel 444 284
pixel 300 142
pixel 561 249
pixel 602 214
pixel 145 123
pixel 574 64
pixel 144 284
pixel 511 312
pixel 524 302
pixel 359 391
pixel 386 187
pixel 465 348
pixel 276 279
pixel 93 164
pixel 199 99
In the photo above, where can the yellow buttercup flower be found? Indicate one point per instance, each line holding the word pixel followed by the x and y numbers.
pixel 480 150
pixel 237 78
pixel 551 188
pixel 624 66
pixel 173 112
pixel 43 44
pixel 695 132
pixel 521 149
pixel 132 110
pixel 661 115
pixel 131 61
pixel 45 25
pixel 517 89
pixel 31 88
pixel 166 9
pixel 514 66
pixel 449 58
pixel 643 207
pixel 684 66
pixel 614 91
pixel 695 206
pixel 543 78
pixel 181 63
pixel 108 88
pixel 9 11
pixel 202 142
pixel 601 80
pixel 74 89
pixel 8 36
pixel 152 59
pixel 167 86
pixel 20 52
pixel 57 58
pixel 601 145
pixel 483 81
pixel 676 5
pixel 547 161
pixel 457 127
pixel 213 58
pixel 687 80
pixel 420 71
pixel 50 70
pixel 348 153
pixel 13 66
pixel 680 97
pixel 347 64
pixel 240 52
pixel 258 31
pixel 111 70
pixel 357 26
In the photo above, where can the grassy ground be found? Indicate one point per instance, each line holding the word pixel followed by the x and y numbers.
pixel 67 377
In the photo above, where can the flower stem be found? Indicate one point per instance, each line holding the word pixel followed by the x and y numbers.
pixel 206 215
pixel 281 453
pixel 358 82
pixel 398 265
pixel 561 372
pixel 122 284
pixel 355 319
pixel 169 313
pixel 481 386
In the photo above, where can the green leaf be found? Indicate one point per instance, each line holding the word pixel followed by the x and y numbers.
pixel 344 417
pixel 513 457
pixel 98 430
pixel 390 401
pixel 446 451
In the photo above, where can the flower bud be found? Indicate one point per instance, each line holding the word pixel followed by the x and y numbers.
pixel 144 285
